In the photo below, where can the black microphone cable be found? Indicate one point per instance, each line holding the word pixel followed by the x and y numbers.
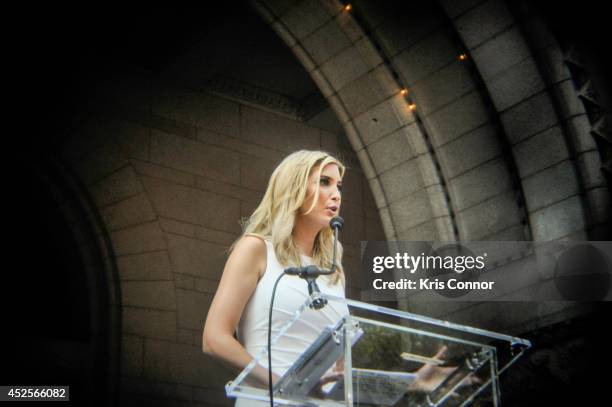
pixel 299 271
pixel 291 271
pixel 270 339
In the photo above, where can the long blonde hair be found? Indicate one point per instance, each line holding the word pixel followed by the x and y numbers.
pixel 275 216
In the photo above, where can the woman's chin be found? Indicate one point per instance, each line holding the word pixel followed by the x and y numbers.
pixel 325 219
pixel 329 213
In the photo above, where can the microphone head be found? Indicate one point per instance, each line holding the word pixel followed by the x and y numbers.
pixel 292 271
pixel 336 222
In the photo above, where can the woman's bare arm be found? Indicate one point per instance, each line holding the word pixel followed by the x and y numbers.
pixel 242 271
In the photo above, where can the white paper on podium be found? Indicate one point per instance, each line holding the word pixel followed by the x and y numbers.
pixel 373 386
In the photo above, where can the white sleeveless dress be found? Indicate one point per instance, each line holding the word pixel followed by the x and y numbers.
pixel 291 293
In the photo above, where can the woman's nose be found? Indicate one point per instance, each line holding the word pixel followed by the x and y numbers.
pixel 336 195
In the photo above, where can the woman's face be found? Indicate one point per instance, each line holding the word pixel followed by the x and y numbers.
pixel 328 204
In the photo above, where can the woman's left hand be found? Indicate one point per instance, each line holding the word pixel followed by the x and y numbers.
pixel 336 373
pixel 430 376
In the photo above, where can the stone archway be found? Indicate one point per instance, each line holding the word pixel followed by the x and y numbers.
pixel 485 105
pixel 487 128
pixel 65 304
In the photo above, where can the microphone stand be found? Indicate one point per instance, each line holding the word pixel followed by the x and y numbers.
pixel 310 274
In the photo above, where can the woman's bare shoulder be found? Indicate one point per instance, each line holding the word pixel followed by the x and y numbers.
pixel 252 249
pixel 251 243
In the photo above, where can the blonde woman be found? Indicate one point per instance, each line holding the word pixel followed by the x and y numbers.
pixel 290 227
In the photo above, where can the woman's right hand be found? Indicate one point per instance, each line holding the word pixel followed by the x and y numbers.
pixel 258 377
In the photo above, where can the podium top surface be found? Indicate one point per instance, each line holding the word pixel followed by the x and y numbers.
pixel 395 345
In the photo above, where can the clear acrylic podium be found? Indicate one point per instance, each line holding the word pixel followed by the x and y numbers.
pixel 377 356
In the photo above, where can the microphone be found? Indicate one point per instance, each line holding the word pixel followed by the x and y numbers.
pixel 311 271
pixel 336 223
pixel 304 272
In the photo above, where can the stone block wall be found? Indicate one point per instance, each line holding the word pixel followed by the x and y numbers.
pixel 172 171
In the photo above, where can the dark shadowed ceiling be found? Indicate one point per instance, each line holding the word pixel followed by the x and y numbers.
pixel 57 53
pixel 60 54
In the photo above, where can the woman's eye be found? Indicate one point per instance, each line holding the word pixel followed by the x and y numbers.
pixel 324 181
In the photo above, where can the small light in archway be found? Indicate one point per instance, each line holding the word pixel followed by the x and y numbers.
pixel 404 92
pixel 412 107
pixel 462 57
pixel 348 7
